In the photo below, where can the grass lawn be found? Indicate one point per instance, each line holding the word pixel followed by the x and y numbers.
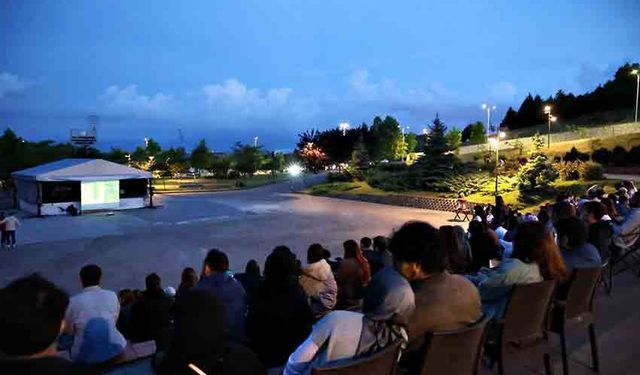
pixel 173 185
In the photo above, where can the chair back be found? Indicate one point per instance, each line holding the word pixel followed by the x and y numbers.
pixel 383 362
pixel 526 315
pixel 581 290
pixel 454 352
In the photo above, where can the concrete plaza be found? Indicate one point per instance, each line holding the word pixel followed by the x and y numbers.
pixel 246 225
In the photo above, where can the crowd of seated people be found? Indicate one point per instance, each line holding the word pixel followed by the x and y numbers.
pixel 298 315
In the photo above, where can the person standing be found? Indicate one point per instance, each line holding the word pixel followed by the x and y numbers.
pixel 10 223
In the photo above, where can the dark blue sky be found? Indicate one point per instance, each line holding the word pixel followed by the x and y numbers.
pixel 232 70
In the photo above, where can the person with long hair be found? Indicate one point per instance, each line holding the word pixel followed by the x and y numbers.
pixel 458 258
pixel 485 245
pixel 346 335
pixel 279 317
pixel 535 258
pixel 354 273
pixel 251 279
pixel 199 343
pixel 318 281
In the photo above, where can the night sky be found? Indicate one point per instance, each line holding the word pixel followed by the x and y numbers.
pixel 230 70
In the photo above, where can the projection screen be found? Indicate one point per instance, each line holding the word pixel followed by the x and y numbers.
pixel 100 195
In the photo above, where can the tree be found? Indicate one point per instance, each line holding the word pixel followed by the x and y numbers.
pixel 386 138
pixel 478 134
pixel 360 155
pixel 220 166
pixel 201 156
pixel 454 139
pixel 538 173
pixel 510 119
pixel 117 155
pixel 246 159
pixel 313 156
pixel 438 163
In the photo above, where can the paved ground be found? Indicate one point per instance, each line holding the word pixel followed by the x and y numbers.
pixel 246 224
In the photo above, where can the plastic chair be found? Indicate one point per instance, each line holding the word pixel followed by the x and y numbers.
pixel 383 363
pixel 577 308
pixel 454 352
pixel 524 324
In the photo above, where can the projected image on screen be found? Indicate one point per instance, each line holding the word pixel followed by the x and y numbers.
pixel 100 195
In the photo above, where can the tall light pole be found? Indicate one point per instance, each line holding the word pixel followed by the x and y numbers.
pixel 496 143
pixel 550 118
pixel 255 142
pixel 344 126
pixel 489 108
pixel 637 73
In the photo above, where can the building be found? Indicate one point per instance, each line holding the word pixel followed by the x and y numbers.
pixel 87 184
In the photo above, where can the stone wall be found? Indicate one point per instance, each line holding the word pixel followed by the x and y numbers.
pixel 437 204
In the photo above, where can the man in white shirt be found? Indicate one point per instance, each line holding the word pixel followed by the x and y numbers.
pixel 10 223
pixel 91 320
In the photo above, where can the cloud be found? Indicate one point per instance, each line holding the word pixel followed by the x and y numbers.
pixel 233 95
pixel 127 101
pixel 11 83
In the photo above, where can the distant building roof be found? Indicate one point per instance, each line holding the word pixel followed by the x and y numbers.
pixel 80 170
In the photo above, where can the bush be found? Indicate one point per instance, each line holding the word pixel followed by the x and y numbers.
pixel 575 155
pixel 592 171
pixel 569 171
pixel 339 177
pixel 601 156
pixel 619 156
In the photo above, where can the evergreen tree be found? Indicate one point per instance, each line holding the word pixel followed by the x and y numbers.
pixel 438 163
pixel 454 139
pixel 478 133
pixel 538 173
pixel 201 156
pixel 510 119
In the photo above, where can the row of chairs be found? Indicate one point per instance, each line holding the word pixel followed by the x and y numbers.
pixel 620 260
pixel 532 313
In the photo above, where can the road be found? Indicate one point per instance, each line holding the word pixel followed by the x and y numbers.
pixel 246 224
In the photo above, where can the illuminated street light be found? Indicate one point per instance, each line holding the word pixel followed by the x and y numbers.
pixel 495 142
pixel 550 118
pixel 294 170
pixel 146 142
pixel 255 142
pixel 344 126
pixel 637 74
pixel 489 108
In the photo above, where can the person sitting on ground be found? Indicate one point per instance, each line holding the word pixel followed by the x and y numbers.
pixel 576 251
pixel 151 314
pixel 31 318
pixel 354 273
pixel 443 301
pixel 484 243
pixel 535 258
pixel 279 317
pixel 342 336
pixel 251 279
pixel 217 281
pixel 188 279
pixel 199 344
pixel 318 282
pixel 124 323
pixel 628 232
pixel 366 244
pixel 457 257
pixel 599 232
pixel 91 320
pixel 380 257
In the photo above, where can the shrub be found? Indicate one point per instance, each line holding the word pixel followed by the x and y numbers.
pixel 592 171
pixel 569 171
pixel 339 177
pixel 619 156
pixel 601 156
pixel 575 155
pixel 634 155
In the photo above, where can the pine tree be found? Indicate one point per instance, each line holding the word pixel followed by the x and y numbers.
pixel 438 163
pixel 538 173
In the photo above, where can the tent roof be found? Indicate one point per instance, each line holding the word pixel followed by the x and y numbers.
pixel 80 170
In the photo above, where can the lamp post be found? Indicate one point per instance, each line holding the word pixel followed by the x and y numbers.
pixel 255 142
pixel 496 143
pixel 550 118
pixel 637 73
pixel 489 108
pixel 344 126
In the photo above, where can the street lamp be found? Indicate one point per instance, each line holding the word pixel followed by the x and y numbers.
pixel 255 142
pixel 489 108
pixel 495 142
pixel 550 118
pixel 637 73
pixel 344 126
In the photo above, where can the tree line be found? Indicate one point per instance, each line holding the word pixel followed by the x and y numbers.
pixel 17 153
pixel 616 94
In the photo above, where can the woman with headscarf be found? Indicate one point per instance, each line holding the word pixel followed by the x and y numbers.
pixel 279 317
pixel 343 336
pixel 199 344
pixel 354 273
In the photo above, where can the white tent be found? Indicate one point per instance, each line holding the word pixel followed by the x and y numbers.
pixel 87 184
